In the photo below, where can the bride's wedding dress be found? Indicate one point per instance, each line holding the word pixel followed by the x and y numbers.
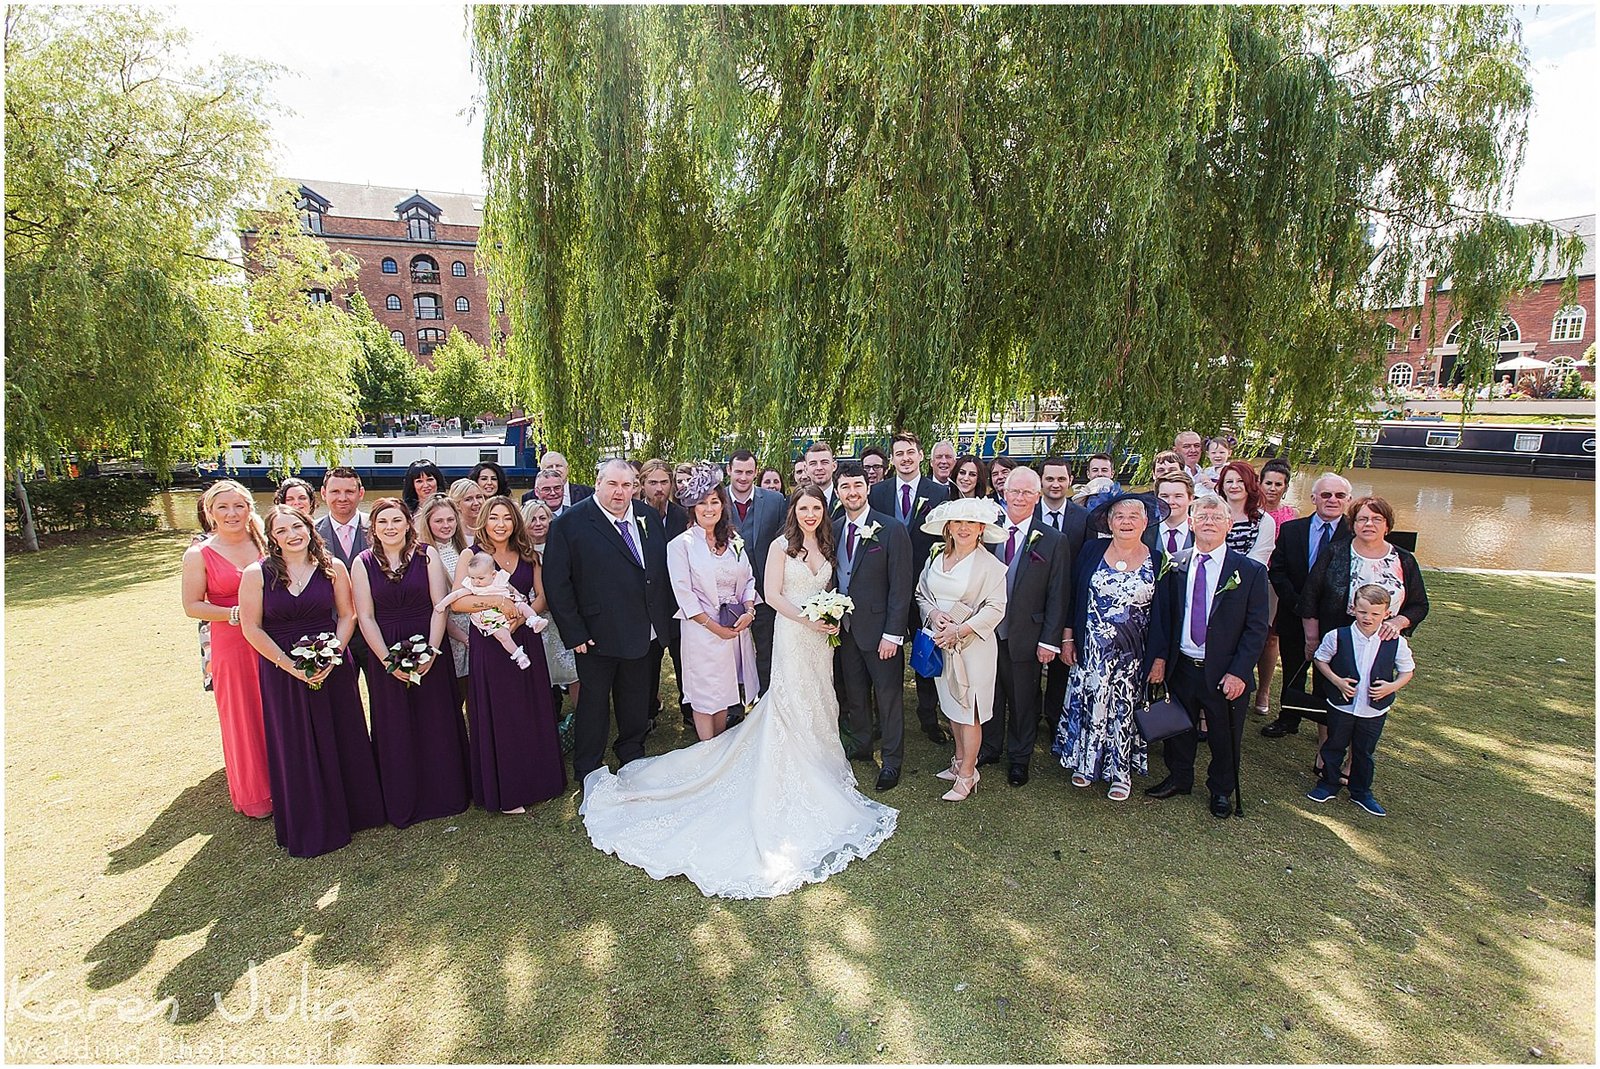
pixel 762 808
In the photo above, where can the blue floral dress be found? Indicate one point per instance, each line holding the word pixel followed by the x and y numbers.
pixel 1097 737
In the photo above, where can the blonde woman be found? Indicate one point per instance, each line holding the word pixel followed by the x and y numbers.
pixel 469 498
pixel 439 524
pixel 962 595
pixel 562 663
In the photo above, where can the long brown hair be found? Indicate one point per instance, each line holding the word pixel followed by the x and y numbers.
pixel 722 530
pixel 396 570
pixel 315 547
pixel 796 538
pixel 520 540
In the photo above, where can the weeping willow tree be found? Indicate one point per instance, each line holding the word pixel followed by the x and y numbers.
pixel 743 221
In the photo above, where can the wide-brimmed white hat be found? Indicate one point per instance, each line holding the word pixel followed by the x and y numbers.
pixel 973 509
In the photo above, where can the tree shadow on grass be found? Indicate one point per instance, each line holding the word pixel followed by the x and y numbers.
pixel 106 566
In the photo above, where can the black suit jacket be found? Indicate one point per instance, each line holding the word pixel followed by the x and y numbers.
pixel 675 521
pixel 925 496
pixel 1036 597
pixel 597 591
pixel 1289 568
pixel 881 581
pixel 1236 631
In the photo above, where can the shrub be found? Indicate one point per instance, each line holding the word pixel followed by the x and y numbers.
pixel 97 504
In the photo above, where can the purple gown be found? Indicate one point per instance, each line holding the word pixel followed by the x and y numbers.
pixel 319 759
pixel 515 753
pixel 417 730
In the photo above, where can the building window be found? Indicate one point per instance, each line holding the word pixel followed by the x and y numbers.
pixel 1560 365
pixel 419 225
pixel 392 302
pixel 468 335
pixel 1416 332
pixel 1391 337
pixel 429 339
pixel 458 269
pixel 425 269
pixel 321 297
pixel 399 337
pixel 1509 331
pixel 311 221
pixel 1400 375
pixel 500 306
pixel 463 305
pixel 428 307
pixel 1569 323
pixel 389 266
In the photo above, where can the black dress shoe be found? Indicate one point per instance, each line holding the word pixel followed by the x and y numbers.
pixel 936 734
pixel 1278 729
pixel 1220 806
pixel 1018 776
pixel 888 779
pixel 993 758
pixel 1166 789
pixel 858 755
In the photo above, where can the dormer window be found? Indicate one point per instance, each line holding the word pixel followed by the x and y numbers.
pixel 419 226
pixel 310 206
pixel 421 216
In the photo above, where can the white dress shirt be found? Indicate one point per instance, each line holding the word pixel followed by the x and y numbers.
pixel 1214 565
pixel 1365 649
pixel 1182 530
pixel 898 483
pixel 1060 514
pixel 638 542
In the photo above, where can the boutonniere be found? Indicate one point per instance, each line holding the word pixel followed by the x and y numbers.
pixel 933 554
pixel 868 532
pixel 917 505
pixel 1233 581
pixel 738 546
pixel 644 528
pixel 1178 561
pixel 1033 537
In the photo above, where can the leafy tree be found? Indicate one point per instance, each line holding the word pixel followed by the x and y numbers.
pixel 707 221
pixel 466 380
pixel 388 379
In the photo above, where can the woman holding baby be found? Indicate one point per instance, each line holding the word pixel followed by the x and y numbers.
pixel 417 732
pixel 514 756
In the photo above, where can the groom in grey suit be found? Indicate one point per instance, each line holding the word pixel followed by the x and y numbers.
pixel 758 516
pixel 344 532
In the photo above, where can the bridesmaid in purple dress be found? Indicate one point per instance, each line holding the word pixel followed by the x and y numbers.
pixel 417 729
pixel 515 754
pixel 324 779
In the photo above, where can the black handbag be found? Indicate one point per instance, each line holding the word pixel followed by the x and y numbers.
pixel 1162 717
pixel 1309 705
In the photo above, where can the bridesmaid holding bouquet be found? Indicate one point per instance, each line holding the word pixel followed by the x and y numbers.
pixel 212 571
pixel 417 729
pixel 324 778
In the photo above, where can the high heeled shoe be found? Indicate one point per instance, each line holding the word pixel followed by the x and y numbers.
pixel 964 787
pixel 949 775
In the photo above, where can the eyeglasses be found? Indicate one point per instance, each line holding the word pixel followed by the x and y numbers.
pixel 1332 496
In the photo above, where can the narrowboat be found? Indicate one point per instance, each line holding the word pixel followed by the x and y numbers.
pixel 1543 451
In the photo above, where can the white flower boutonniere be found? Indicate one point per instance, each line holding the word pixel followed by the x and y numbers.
pixel 1032 538
pixel 738 546
pixel 933 554
pixel 1233 581
pixel 644 528
pixel 1178 561
pixel 868 532
pixel 917 507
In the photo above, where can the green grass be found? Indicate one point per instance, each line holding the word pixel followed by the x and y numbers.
pixel 1035 925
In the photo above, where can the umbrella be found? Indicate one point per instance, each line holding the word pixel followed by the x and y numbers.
pixel 1522 363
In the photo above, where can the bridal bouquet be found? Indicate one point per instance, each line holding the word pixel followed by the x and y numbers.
pixel 314 653
pixel 409 656
pixel 827 606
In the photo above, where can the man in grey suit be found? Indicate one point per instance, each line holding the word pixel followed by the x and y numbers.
pixel 874 570
pixel 758 516
pixel 344 531
pixel 1036 559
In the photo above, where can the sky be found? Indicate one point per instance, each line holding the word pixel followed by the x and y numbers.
pixel 386 94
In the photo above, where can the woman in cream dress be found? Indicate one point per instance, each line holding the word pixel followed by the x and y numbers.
pixel 962 595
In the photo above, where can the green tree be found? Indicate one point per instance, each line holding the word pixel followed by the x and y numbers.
pixel 466 380
pixel 388 379
pixel 744 220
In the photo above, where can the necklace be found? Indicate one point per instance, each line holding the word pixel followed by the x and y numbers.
pixel 1120 565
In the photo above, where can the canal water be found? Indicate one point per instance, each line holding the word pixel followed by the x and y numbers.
pixel 1462 521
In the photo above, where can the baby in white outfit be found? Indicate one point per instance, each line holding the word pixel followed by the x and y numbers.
pixel 485 578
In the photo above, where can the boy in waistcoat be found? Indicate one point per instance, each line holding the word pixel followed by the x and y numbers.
pixel 1366 671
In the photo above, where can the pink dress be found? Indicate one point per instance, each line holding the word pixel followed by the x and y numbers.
pixel 1282 515
pixel 236 684
pixel 714 669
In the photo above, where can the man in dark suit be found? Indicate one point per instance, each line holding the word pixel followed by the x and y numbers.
pixel 820 469
pixel 999 469
pixel 1219 600
pixel 571 493
pixel 874 570
pixel 1029 634
pixel 907 499
pixel 1300 542
pixel 656 484
pixel 344 532
pixel 1058 512
pixel 1172 535
pixel 758 516
pixel 605 574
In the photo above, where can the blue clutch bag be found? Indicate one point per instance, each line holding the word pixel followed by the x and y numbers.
pixel 927 660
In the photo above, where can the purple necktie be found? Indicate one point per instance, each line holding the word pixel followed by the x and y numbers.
pixel 850 543
pixel 1197 603
pixel 905 502
pixel 1011 544
pixel 1172 540
pixel 625 529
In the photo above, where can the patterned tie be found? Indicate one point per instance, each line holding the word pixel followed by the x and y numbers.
pixel 625 529
pixel 1197 603
pixel 1172 540
pixel 1011 544
pixel 850 543
pixel 1322 542
pixel 905 502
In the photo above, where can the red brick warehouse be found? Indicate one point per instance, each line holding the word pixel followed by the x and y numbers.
pixel 418 256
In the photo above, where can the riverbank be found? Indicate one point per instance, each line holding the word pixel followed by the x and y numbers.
pixel 1034 925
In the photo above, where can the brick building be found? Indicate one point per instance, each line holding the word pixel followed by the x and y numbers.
pixel 418 255
pixel 1537 324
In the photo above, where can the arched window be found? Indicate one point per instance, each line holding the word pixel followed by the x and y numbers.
pixel 389 266
pixel 1400 375
pixel 429 339
pixel 458 269
pixel 392 302
pixel 425 269
pixel 1562 364
pixel 1416 332
pixel 467 334
pixel 1569 323
pixel 399 337
pixel 428 306
pixel 1509 331
pixel 463 305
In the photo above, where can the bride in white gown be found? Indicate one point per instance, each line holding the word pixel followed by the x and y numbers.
pixel 771 804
